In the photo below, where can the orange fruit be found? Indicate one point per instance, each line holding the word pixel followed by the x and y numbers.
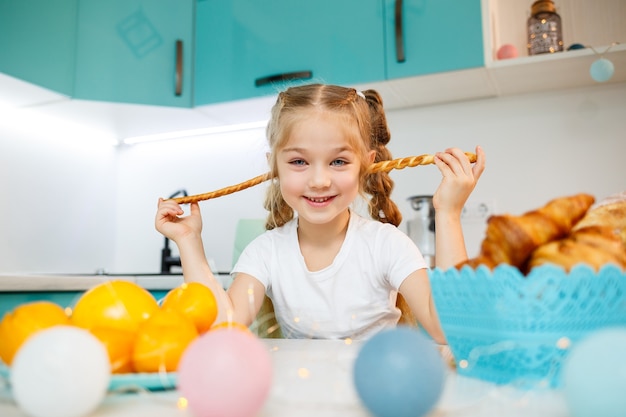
pixel 194 300
pixel 114 304
pixel 24 321
pixel 161 341
pixel 119 345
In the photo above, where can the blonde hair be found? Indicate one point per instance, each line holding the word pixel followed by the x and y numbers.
pixel 363 114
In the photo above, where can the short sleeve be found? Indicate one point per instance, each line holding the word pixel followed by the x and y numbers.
pixel 402 256
pixel 254 260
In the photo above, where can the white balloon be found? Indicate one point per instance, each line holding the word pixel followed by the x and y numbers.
pixel 62 371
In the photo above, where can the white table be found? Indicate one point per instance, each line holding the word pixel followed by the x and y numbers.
pixel 327 391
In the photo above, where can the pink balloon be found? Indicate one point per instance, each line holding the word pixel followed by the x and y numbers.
pixel 225 373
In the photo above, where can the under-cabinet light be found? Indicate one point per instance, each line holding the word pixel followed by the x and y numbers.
pixel 33 121
pixel 180 134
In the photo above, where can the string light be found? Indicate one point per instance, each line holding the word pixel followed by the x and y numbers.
pixel 303 373
pixel 182 403
pixel 479 353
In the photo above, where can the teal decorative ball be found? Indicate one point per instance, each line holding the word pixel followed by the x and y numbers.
pixel 602 70
pixel 399 373
pixel 594 375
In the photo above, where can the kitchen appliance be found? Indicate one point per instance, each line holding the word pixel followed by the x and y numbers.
pixel 421 229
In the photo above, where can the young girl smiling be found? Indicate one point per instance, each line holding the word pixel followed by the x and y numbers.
pixel 330 272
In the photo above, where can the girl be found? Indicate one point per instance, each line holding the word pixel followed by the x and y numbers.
pixel 329 272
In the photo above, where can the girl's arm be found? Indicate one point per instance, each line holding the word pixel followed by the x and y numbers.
pixel 246 294
pixel 416 291
pixel 459 179
pixel 186 233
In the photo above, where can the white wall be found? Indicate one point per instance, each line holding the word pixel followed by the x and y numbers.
pixel 69 208
pixel 153 170
pixel 538 147
pixel 58 192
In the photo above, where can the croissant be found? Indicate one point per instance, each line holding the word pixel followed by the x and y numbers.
pixel 592 245
pixel 610 213
pixel 511 239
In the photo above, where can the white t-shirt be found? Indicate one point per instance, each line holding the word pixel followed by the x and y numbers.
pixel 353 297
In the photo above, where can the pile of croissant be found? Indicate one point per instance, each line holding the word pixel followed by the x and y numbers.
pixel 566 231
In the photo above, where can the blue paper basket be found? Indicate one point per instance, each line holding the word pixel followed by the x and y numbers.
pixel 507 328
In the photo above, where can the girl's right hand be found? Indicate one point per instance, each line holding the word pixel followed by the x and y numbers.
pixel 170 223
pixel 459 179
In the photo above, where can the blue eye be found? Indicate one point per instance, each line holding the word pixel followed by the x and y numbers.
pixel 298 162
pixel 338 162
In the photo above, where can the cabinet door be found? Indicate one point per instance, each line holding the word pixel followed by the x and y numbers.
pixel 431 36
pixel 37 42
pixel 128 51
pixel 249 48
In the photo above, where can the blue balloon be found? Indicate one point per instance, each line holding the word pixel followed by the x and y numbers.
pixel 399 373
pixel 594 375
pixel 601 70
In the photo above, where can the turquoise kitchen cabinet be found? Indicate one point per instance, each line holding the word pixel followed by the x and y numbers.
pixel 37 42
pixel 432 36
pixel 9 300
pixel 250 48
pixel 185 53
pixel 135 51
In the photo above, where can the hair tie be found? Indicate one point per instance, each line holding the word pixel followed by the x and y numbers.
pixel 360 94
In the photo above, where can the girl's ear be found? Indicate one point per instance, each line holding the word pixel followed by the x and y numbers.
pixel 267 156
pixel 372 156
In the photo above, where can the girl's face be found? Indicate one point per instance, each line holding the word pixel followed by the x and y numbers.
pixel 318 169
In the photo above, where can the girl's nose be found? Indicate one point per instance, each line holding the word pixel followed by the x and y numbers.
pixel 320 177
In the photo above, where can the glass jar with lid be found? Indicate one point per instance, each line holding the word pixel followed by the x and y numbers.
pixel 544 29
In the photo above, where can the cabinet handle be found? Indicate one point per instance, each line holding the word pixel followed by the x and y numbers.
pixel 399 33
pixel 179 68
pixel 287 76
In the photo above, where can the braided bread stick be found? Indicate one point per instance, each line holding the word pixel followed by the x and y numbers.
pixel 382 166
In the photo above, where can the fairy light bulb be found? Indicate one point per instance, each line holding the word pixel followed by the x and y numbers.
pixel 225 372
pixel 594 374
pixel 303 373
pixel 399 373
pixel 62 371
pixel 602 69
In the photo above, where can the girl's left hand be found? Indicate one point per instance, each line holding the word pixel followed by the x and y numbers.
pixel 459 178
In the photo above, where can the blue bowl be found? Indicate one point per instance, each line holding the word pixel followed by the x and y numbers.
pixel 507 328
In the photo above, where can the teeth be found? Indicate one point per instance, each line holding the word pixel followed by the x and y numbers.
pixel 318 200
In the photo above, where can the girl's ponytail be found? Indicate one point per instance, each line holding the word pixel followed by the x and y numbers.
pixel 379 185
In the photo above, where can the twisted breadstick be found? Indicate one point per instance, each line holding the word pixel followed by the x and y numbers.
pixel 386 166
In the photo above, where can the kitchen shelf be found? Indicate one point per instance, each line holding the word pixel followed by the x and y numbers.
pixel 598 24
pixel 558 71
pixel 522 75
pixel 595 23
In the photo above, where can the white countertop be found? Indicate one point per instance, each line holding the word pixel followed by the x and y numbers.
pixel 328 391
pixel 80 282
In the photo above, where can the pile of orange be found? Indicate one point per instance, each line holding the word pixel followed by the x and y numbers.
pixel 139 335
